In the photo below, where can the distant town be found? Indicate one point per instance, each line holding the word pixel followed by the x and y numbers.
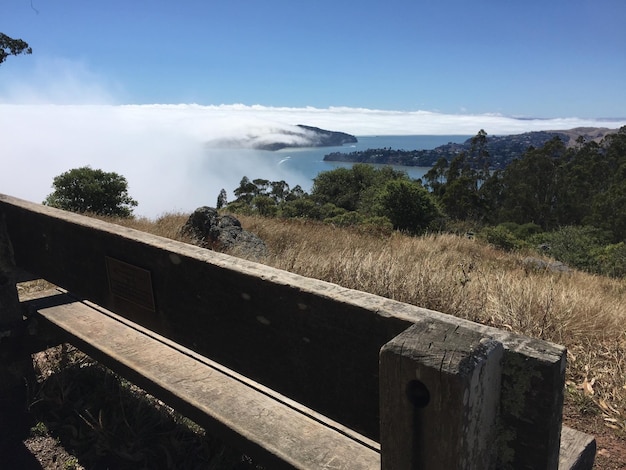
pixel 502 149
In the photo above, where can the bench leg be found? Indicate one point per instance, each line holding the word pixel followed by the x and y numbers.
pixel 16 367
pixel 439 395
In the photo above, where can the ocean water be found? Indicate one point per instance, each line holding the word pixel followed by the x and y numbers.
pixel 224 168
pixel 308 162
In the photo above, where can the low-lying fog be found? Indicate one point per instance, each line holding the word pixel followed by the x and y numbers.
pixel 162 149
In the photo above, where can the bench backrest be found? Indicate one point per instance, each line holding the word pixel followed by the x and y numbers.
pixel 313 341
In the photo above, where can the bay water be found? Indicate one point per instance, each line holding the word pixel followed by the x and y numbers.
pixel 307 163
pixel 224 168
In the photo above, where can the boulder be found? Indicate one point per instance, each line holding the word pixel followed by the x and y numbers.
pixel 538 264
pixel 208 229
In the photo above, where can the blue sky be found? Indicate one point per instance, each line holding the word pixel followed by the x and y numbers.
pixel 534 58
pixel 139 87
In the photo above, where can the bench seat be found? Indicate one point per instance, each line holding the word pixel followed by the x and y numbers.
pixel 269 427
pixel 242 412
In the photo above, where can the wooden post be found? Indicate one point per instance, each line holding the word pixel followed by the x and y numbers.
pixel 15 369
pixel 439 398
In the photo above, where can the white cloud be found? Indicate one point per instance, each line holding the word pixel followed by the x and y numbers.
pixel 363 121
pixel 54 80
pixel 57 114
pixel 161 149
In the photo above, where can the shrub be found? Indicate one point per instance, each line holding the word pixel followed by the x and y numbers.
pixel 408 205
pixel 576 246
pixel 239 207
pixel 611 259
pixel 264 205
pixel 94 191
pixel 501 237
pixel 302 207
pixel 330 210
pixel 524 231
pixel 377 226
pixel 346 219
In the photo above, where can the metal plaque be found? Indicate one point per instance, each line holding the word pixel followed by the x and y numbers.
pixel 130 283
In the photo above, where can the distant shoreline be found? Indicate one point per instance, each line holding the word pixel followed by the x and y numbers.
pixel 502 149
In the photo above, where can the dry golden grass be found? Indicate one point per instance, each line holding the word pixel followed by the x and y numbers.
pixel 468 279
pixel 167 225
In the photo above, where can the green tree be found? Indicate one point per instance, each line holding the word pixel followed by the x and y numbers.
pixel 408 205
pixel 87 190
pixel 479 157
pixel 501 237
pixel 340 187
pixel 461 194
pixel 10 46
pixel 296 193
pixel 608 204
pixel 222 199
pixel 280 190
pixel 303 207
pixel 264 205
pixel 246 191
pixel 609 209
pixel 532 187
pixel 435 178
pixel 465 186
pixel 262 185
pixel 576 246
pixel 352 189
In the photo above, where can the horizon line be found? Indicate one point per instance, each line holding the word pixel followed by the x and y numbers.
pixel 333 109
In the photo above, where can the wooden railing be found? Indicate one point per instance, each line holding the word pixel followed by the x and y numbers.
pixel 404 387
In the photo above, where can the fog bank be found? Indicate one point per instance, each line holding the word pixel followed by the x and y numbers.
pixel 162 152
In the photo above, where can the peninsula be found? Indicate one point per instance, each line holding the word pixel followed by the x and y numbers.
pixel 299 136
pixel 502 149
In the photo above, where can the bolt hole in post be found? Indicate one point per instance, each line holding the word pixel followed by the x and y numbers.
pixel 418 394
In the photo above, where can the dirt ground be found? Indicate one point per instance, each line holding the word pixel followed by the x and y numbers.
pixel 611 444
pixel 41 452
pixel 43 444
pixel 46 452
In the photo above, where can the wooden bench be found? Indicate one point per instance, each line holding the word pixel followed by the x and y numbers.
pixel 295 372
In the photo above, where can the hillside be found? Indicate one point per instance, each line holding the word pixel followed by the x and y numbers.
pixel 471 279
pixel 299 136
pixel 452 274
pixel 502 149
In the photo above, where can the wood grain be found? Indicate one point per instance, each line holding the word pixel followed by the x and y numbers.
pixel 250 419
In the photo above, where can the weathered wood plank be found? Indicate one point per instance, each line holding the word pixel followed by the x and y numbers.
pixel 259 424
pixel 16 367
pixel 10 313
pixel 440 397
pixel 578 450
pixel 313 341
pixel 308 343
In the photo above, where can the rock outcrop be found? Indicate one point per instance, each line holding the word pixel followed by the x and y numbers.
pixel 531 263
pixel 208 229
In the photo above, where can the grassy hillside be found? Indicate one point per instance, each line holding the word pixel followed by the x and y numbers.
pixel 469 279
